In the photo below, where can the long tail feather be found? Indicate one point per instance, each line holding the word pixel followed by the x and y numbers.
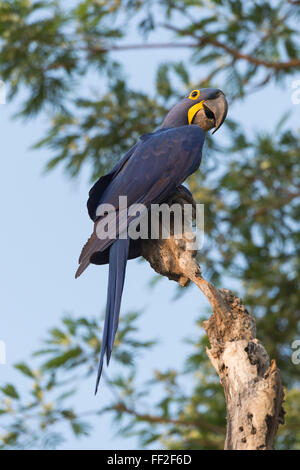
pixel 118 255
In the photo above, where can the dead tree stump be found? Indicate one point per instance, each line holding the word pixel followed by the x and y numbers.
pixel 252 385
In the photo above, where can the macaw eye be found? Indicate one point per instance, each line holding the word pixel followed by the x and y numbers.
pixel 194 94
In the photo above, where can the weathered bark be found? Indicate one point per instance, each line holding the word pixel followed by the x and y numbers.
pixel 252 386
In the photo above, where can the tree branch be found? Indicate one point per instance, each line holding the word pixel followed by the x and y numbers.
pixel 199 423
pixel 201 42
pixel 128 47
pixel 235 52
pixel 276 204
pixel 198 42
pixel 252 386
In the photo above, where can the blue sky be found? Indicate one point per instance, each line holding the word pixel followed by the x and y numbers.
pixel 44 224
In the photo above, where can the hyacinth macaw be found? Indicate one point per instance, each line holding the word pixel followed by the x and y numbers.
pixel 148 174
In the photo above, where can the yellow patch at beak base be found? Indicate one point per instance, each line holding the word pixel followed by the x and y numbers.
pixel 193 110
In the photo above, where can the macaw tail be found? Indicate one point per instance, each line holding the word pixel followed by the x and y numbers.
pixel 118 255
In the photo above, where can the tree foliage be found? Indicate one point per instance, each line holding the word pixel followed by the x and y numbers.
pixel 51 51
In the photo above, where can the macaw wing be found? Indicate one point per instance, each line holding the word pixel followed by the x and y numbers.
pixel 156 168
pixel 162 160
pixel 101 184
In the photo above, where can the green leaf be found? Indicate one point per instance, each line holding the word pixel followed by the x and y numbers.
pixel 79 428
pixel 10 391
pixel 25 369
pixel 62 359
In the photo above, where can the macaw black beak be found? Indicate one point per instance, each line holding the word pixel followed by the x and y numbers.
pixel 216 110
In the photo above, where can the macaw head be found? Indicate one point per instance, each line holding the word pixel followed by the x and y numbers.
pixel 206 108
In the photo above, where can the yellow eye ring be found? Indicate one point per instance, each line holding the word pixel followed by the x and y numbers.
pixel 194 95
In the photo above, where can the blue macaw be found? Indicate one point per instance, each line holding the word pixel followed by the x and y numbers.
pixel 148 173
